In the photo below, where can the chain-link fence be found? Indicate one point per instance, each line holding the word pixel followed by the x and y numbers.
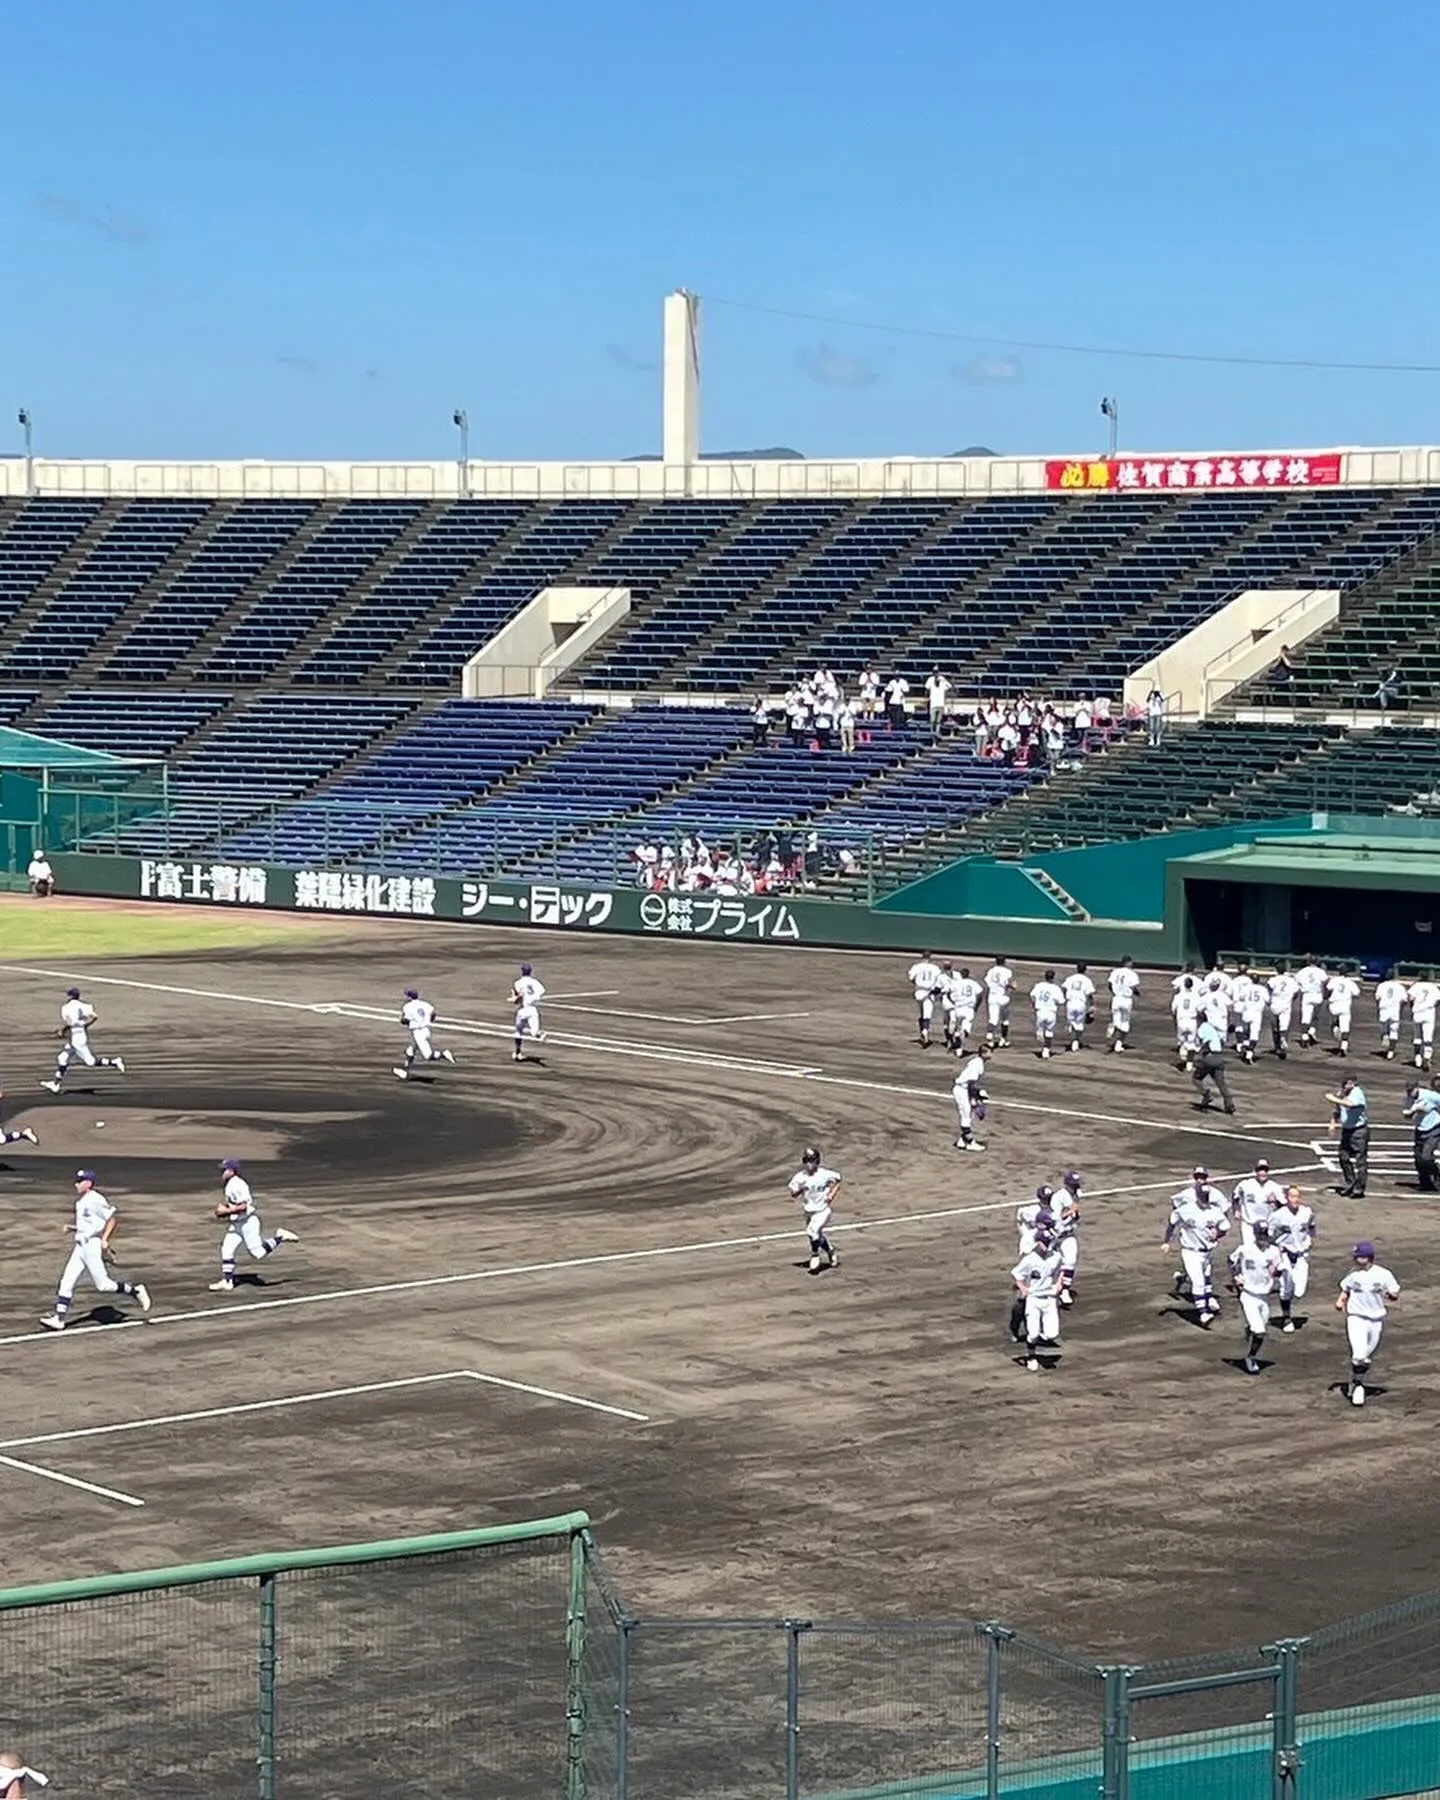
pixel 505 1663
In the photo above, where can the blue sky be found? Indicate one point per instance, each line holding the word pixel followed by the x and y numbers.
pixel 312 228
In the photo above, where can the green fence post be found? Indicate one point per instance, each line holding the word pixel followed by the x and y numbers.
pixel 269 1657
pixel 793 1629
pixel 575 1671
pixel 995 1635
pixel 622 1711
pixel 1115 1777
pixel 1288 1653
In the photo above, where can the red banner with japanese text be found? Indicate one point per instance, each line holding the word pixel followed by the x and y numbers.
pixel 1171 474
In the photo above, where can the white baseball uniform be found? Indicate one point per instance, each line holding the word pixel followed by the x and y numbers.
pixel 1047 997
pixel 1292 1231
pixel 815 1190
pixel 1079 991
pixel 529 992
pixel 1256 1268
pixel 1311 981
pixel 1038 1276
pixel 1368 1293
pixel 1390 997
pixel 927 978
pixel 1198 1216
pixel 1124 986
pixel 961 1002
pixel 1252 1203
pixel 999 980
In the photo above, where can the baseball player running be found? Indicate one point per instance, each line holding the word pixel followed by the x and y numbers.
pixel 1424 1002
pixel 95 1225
pixel 1390 997
pixel 961 999
pixel 1199 1217
pixel 1037 1277
pixel 1366 1295
pixel 1312 981
pixel 23 1136
pixel 1284 990
pixel 1047 997
pixel 1254 1270
pixel 999 980
pixel 242 1227
pixel 815 1187
pixel 927 978
pixel 1248 997
pixel 1079 992
pixel 1254 1199
pixel 418 1018
pixel 525 997
pixel 76 1018
pixel 1341 993
pixel 970 1097
pixel 1293 1231
pixel 1124 986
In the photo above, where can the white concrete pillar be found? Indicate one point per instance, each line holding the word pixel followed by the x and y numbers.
pixel 681 440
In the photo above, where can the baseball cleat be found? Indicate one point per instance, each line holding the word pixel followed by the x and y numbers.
pixel 54 1086
pixel 142 1296
pixel 400 1074
pixel 28 1135
pixel 814 1265
pixel 1357 1394
pixel 222 1286
pixel 1251 1366
pixel 447 1056
pixel 53 1322
pixel 1289 1325
pixel 287 1237
pixel 117 1063
pixel 1032 1363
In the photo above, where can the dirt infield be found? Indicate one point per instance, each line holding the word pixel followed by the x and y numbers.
pixel 577 1282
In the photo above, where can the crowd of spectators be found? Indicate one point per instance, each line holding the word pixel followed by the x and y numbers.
pixel 772 862
pixel 1022 730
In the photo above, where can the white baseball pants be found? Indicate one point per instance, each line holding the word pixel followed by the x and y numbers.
pixel 87 1259
pixel 1364 1336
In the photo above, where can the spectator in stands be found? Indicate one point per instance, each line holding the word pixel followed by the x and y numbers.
pixel 822 718
pixel 760 721
pixel 1387 695
pixel 937 692
pixel 797 716
pixel 897 689
pixel 14 1774
pixel 1104 719
pixel 1154 717
pixel 40 875
pixel 869 688
pixel 1282 670
pixel 845 720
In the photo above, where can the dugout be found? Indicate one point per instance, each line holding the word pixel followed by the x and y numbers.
pixel 58 796
pixel 1374 898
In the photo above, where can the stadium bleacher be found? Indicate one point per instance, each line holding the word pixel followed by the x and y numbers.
pixel 307 647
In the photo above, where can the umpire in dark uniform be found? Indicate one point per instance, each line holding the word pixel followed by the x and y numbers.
pixel 1210 1065
pixel 1422 1104
pixel 1351 1119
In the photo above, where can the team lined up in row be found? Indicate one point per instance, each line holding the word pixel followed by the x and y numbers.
pixel 1238 1006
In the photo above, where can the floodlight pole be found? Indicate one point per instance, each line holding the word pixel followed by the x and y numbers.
pixel 26 425
pixel 1110 407
pixel 461 422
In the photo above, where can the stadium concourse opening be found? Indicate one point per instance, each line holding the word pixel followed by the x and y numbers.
pixel 1377 897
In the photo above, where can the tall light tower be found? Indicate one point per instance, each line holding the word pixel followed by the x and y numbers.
pixel 25 423
pixel 1110 407
pixel 461 422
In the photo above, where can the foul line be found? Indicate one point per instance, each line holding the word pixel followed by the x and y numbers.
pixel 672 1053
pixel 210 1314
pixel 88 1487
pixel 342 1393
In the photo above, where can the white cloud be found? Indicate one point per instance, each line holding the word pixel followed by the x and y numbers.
pixel 990 371
pixel 830 367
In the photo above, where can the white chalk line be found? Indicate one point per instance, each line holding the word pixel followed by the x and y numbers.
pixel 316 1398
pixel 672 1053
pixel 653 1018
pixel 71 1481
pixel 562 1265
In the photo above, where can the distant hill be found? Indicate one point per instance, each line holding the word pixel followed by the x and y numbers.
pixel 975 450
